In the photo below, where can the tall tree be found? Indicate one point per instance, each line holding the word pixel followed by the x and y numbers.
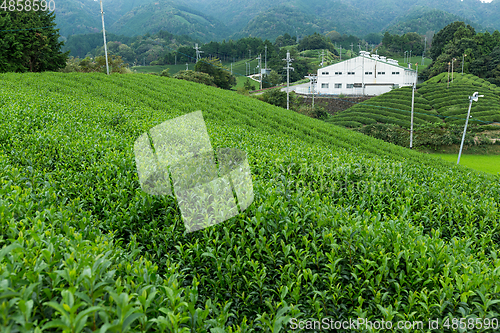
pixel 221 75
pixel 30 42
pixel 450 33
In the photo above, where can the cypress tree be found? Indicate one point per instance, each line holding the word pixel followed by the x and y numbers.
pixel 29 42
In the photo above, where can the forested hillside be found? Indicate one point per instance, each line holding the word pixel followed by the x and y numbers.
pixel 219 19
pixel 171 16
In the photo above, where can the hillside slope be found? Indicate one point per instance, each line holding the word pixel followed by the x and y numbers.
pixel 342 225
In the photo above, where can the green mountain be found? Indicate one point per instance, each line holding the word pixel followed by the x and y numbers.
pixel 280 20
pixel 341 224
pixel 84 16
pixel 424 20
pixel 218 19
pixel 172 17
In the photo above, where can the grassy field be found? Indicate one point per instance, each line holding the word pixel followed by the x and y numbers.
pixel 157 69
pixel 238 67
pixel 486 163
pixel 414 60
pixel 342 226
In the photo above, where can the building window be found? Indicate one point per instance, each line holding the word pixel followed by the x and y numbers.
pixel 381 73
pixel 350 73
pixel 324 85
pixel 325 73
pixel 338 85
pixel 338 73
pixel 368 73
pixel 395 73
pixel 358 85
pixel 350 86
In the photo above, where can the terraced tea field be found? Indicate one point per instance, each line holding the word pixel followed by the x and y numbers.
pixel 343 226
pixel 434 102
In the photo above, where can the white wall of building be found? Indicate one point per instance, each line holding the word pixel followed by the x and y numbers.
pixel 363 75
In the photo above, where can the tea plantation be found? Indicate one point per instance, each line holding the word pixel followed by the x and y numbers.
pixel 435 102
pixel 343 226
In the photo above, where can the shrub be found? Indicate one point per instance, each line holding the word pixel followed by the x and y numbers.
pixel 197 77
pixel 165 72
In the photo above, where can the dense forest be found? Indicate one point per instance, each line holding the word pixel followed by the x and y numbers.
pixel 136 50
pixel 459 44
pixel 209 20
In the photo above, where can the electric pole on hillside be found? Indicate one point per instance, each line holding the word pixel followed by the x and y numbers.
pixel 412 106
pixel 472 98
pixel 104 36
pixel 322 57
pixel 352 49
pixel 448 75
pixel 198 52
pixel 259 58
pixel 314 79
pixel 288 68
pixel 340 52
pixel 265 58
pixel 425 48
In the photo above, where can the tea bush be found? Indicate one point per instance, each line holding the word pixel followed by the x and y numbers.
pixel 342 226
pixel 435 103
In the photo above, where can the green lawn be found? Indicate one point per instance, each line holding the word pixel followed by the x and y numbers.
pixel 238 67
pixel 414 60
pixel 240 81
pixel 486 163
pixel 157 69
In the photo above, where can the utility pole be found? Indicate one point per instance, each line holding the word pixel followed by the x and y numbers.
pixel 322 57
pixel 314 79
pixel 363 76
pixel 352 50
pixel 448 75
pixel 340 52
pixel 463 59
pixel 410 56
pixel 198 52
pixel 104 36
pixel 265 59
pixel 176 58
pixel 452 61
pixel 472 98
pixel 231 68
pixel 259 58
pixel 412 106
pixel 187 66
pixel 425 48
pixel 288 68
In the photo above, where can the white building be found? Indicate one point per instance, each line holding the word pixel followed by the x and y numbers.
pixel 364 75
